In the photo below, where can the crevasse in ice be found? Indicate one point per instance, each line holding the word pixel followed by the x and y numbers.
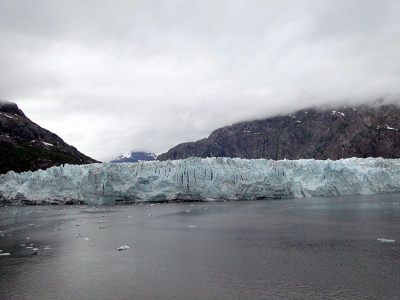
pixel 204 179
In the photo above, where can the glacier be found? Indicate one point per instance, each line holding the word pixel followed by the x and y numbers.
pixel 197 179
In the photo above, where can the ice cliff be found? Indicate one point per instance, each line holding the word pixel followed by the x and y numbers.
pixel 203 179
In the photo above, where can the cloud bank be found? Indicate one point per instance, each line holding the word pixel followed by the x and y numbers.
pixel 113 76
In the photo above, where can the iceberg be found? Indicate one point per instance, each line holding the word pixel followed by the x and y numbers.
pixel 197 179
pixel 122 248
pixel 386 240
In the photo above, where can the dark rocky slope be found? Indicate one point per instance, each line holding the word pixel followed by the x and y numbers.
pixel 363 131
pixel 26 146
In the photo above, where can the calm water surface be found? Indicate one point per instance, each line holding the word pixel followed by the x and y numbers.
pixel 317 248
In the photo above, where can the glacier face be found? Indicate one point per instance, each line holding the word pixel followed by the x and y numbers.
pixel 204 179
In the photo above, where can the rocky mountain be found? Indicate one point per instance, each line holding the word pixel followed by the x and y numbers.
pixel 26 146
pixel 134 157
pixel 364 131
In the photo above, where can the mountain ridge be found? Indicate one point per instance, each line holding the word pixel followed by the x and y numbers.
pixel 25 146
pixel 134 157
pixel 330 133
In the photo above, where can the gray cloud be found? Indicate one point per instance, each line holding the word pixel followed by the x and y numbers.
pixel 114 76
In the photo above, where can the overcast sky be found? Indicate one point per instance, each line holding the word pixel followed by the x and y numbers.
pixel 113 76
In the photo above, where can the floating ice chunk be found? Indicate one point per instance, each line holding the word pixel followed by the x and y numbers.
pixel 86 239
pixel 29 247
pixel 192 226
pixel 188 211
pixel 121 248
pixel 35 249
pixel 4 254
pixel 386 240
pixel 46 248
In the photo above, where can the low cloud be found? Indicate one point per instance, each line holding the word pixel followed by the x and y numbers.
pixel 110 77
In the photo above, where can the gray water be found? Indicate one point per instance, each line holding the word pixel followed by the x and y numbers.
pixel 316 248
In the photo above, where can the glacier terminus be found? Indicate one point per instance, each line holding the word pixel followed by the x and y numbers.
pixel 197 179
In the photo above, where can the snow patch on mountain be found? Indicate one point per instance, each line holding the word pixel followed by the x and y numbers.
pixel 135 157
